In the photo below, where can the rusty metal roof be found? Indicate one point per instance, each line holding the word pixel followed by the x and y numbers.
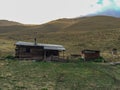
pixel 90 51
pixel 45 46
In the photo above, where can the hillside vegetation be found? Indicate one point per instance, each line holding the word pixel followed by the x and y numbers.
pixel 8 23
pixel 29 75
pixel 98 32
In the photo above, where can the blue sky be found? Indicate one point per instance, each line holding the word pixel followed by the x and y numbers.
pixel 42 11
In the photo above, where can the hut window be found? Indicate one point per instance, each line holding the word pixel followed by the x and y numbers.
pixel 27 50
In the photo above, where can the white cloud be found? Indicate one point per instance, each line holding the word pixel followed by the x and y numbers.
pixel 117 3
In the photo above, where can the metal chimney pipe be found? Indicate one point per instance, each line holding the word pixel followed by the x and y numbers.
pixel 35 40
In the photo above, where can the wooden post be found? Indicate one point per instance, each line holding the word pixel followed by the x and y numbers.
pixel 63 54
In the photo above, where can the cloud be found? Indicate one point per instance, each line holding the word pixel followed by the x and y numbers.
pixel 100 2
pixel 108 8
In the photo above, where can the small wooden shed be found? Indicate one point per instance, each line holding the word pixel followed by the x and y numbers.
pixel 37 51
pixel 90 54
pixel 114 51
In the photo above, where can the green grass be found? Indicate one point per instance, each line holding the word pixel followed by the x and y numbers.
pixel 28 75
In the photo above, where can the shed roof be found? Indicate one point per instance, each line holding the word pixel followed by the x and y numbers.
pixel 45 46
pixel 90 51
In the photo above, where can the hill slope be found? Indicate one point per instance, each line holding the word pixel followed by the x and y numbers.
pixel 76 24
pixel 83 23
pixel 8 23
pixel 99 32
pixel 95 23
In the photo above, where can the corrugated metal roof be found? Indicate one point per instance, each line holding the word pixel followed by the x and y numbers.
pixel 46 46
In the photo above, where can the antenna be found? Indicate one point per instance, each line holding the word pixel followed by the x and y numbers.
pixel 35 39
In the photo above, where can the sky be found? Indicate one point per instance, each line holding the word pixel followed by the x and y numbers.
pixel 42 11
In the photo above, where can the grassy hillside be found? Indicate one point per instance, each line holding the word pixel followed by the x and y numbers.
pixel 95 23
pixel 28 75
pixel 8 23
pixel 99 32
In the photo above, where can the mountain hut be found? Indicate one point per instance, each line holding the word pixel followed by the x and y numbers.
pixel 37 51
